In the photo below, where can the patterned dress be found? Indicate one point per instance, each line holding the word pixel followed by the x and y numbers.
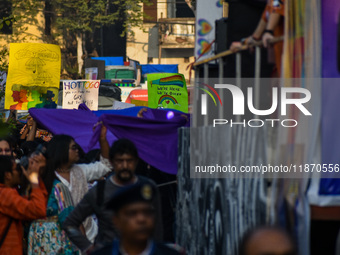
pixel 45 236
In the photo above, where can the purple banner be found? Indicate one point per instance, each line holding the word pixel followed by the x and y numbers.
pixel 155 135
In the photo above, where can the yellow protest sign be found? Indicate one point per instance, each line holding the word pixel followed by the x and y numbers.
pixel 33 76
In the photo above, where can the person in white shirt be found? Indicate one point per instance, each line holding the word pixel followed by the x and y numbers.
pixel 62 155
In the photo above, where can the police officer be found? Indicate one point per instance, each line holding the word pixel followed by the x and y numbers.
pixel 134 218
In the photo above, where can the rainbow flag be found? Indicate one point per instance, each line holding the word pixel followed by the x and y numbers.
pixel 175 80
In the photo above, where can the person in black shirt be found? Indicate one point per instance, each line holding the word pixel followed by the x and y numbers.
pixel 124 159
pixel 134 218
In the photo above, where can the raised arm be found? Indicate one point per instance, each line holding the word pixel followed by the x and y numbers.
pixel 32 132
pixel 256 36
pixel 95 171
pixel 104 144
pixel 21 208
pixel 24 132
pixel 273 21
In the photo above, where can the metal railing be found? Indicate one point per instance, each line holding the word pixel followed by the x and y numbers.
pixel 220 58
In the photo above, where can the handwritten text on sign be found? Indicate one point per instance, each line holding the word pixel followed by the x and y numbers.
pixel 33 76
pixel 167 90
pixel 77 92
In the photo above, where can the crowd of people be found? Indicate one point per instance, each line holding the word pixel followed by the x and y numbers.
pixel 55 201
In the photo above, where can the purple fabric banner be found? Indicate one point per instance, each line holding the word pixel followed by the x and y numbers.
pixel 155 135
pixel 76 123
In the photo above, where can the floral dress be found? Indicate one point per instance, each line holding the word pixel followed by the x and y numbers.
pixel 45 236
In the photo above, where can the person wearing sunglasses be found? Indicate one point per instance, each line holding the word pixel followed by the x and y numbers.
pixel 66 182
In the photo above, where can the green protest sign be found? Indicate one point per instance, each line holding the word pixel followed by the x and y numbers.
pixel 167 90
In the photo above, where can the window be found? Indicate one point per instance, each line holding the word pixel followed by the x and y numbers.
pixel 180 9
pixel 183 10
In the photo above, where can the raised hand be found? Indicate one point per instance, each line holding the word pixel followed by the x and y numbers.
pixel 140 113
pixel 103 132
pixel 32 172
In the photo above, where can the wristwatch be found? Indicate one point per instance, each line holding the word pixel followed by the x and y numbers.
pixel 270 31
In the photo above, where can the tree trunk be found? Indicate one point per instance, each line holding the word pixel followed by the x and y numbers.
pixel 80 52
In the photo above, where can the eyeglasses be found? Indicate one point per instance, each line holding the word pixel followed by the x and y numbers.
pixel 74 147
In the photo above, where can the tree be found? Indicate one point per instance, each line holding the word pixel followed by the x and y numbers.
pixel 4 53
pixel 21 15
pixel 70 23
pixel 8 127
pixel 79 19
pixel 25 14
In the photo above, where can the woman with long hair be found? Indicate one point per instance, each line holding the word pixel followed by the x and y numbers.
pixel 66 183
pixel 5 147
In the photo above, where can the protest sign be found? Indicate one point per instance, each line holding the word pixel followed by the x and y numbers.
pixel 76 92
pixel 33 76
pixel 167 90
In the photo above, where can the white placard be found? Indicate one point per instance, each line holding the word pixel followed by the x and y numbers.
pixel 76 92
